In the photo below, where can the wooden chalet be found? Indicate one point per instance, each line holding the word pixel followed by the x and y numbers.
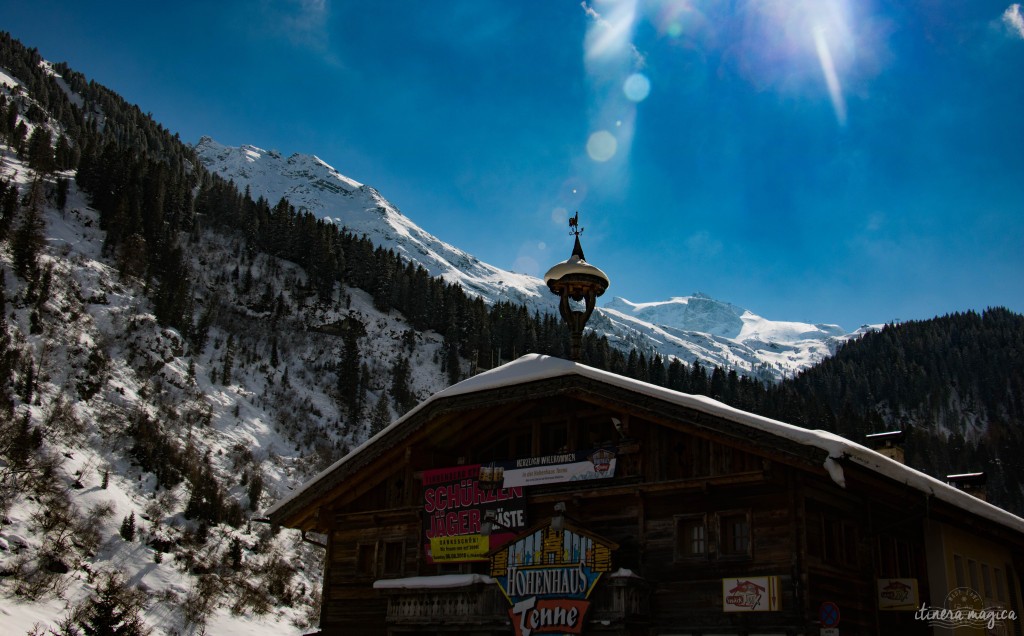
pixel 547 495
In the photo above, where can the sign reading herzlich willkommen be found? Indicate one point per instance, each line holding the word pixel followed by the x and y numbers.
pixel 581 465
pixel 547 576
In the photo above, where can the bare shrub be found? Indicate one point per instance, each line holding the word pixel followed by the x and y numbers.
pixel 202 599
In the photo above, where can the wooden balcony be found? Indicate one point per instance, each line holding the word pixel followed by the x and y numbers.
pixel 475 604
pixel 456 601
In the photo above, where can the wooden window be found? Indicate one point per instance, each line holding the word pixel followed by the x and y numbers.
pixel 522 445
pixel 554 438
pixel 397 494
pixel 394 557
pixel 958 570
pixel 596 434
pixel 849 543
pixel 815 535
pixel 496 450
pixel 896 557
pixel 997 574
pixel 734 534
pixel 986 580
pixel 885 555
pixel 831 538
pixel 905 555
pixel 366 558
pixel 691 537
pixel 972 573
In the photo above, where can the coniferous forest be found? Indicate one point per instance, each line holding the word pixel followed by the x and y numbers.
pixel 955 383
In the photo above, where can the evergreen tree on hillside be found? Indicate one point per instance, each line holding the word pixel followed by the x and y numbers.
pixel 400 391
pixel 349 368
pixel 28 237
pixel 114 610
pixel 381 416
pixel 40 151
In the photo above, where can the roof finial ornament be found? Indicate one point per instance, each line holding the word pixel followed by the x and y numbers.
pixel 578 280
pixel 574 224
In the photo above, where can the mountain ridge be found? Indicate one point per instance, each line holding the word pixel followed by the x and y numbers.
pixel 690 328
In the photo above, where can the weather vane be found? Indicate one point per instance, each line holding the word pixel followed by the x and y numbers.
pixel 574 224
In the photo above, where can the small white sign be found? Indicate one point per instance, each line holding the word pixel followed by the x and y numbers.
pixel 750 594
pixel 897 594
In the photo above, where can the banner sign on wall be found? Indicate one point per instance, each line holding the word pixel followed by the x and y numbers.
pixel 897 594
pixel 553 469
pixel 750 594
pixel 547 576
pixel 454 507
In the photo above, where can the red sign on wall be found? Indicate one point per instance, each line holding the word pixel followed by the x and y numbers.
pixel 454 507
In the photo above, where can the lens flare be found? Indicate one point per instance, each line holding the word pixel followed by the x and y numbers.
pixel 572 192
pixel 637 87
pixel 611 28
pixel 828 68
pixel 526 265
pixel 602 146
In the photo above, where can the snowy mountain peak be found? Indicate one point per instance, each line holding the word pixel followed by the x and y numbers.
pixel 686 313
pixel 696 327
pixel 252 160
pixel 311 185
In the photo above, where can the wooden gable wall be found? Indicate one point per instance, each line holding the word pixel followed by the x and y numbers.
pixel 679 472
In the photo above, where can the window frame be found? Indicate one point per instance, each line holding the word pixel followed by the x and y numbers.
pixel 690 521
pixel 388 554
pixel 726 551
pixel 371 549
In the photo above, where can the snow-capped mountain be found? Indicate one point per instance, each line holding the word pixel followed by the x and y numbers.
pixel 701 328
pixel 311 185
pixel 690 328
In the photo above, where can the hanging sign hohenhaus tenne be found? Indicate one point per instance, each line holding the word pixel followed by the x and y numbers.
pixel 548 575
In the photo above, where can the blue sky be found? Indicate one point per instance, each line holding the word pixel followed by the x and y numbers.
pixel 843 161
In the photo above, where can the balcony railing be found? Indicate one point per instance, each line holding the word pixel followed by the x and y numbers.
pixel 444 600
pixel 476 600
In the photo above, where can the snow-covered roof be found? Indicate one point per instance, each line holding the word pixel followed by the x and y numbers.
pixel 534 367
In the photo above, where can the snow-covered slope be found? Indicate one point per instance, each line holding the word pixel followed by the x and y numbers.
pixel 99 381
pixel 311 185
pixel 699 327
pixel 690 328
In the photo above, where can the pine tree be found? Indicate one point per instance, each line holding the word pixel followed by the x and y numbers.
pixel 115 610
pixel 255 489
pixel 127 531
pixel 40 150
pixel 235 554
pixel 229 360
pixel 348 371
pixel 28 238
pixel 274 358
pixel 7 356
pixel 62 193
pixel 404 398
pixel 8 207
pixel 381 414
